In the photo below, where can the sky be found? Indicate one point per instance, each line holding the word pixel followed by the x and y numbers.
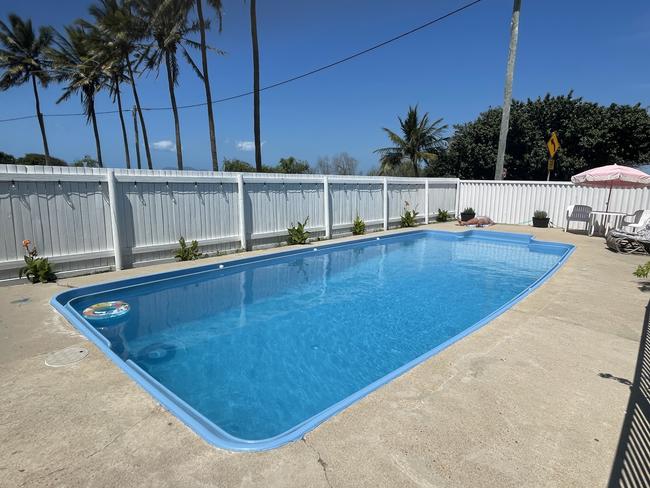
pixel 454 69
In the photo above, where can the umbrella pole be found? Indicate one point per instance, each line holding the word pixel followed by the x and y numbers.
pixel 609 197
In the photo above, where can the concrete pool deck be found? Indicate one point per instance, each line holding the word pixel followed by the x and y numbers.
pixel 524 401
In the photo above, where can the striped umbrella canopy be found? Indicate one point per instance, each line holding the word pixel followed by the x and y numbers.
pixel 610 176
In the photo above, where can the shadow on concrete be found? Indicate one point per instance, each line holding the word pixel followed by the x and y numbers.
pixel 632 462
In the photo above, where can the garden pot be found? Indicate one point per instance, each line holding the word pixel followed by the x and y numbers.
pixel 466 216
pixel 543 223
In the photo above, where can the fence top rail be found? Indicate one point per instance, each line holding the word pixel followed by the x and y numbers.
pixel 517 182
pixel 15 172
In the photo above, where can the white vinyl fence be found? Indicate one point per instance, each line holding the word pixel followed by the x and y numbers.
pixel 90 219
pixel 513 202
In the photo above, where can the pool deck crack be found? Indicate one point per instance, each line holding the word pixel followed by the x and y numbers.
pixel 116 437
pixel 321 461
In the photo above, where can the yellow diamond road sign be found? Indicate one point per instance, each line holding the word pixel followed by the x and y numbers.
pixel 553 144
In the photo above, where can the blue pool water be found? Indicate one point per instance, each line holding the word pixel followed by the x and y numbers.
pixel 254 354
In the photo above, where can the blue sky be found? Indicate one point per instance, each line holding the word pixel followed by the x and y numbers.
pixel 454 70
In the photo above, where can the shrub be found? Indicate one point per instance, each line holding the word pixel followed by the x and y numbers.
pixel 36 269
pixel 408 217
pixel 188 253
pixel 540 214
pixel 358 226
pixel 469 210
pixel 642 271
pixel 34 159
pixel 86 161
pixel 443 216
pixel 6 158
pixel 297 233
pixel 239 166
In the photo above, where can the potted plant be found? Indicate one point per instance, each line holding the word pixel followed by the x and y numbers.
pixel 467 214
pixel 540 219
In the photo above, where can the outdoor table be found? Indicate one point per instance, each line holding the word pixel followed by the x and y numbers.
pixel 615 218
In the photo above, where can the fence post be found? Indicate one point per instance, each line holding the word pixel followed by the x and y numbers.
pixel 385 203
pixel 242 210
pixel 457 209
pixel 326 210
pixel 426 201
pixel 115 227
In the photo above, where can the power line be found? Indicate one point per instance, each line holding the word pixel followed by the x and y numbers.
pixel 283 82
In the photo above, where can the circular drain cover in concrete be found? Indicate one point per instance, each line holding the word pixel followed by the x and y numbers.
pixel 66 356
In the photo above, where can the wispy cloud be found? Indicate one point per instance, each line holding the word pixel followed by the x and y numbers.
pixel 164 145
pixel 247 145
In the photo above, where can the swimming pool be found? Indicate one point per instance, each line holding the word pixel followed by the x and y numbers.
pixel 255 352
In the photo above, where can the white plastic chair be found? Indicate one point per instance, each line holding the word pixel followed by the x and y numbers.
pixel 636 221
pixel 577 213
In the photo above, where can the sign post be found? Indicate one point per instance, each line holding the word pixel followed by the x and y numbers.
pixel 553 145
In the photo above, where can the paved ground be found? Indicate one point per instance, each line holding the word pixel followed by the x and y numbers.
pixel 519 403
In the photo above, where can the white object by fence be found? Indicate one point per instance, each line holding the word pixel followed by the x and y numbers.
pixel 92 219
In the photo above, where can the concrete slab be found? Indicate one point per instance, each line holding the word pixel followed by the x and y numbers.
pixel 518 403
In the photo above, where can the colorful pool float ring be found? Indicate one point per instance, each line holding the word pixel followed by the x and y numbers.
pixel 106 310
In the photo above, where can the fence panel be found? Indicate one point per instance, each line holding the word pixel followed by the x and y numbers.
pixel 401 193
pixel 514 202
pixel 66 211
pixel 442 195
pixel 348 200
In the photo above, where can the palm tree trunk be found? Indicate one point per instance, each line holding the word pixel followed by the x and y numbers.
pixel 91 103
pixel 119 109
pixel 206 84
pixel 41 123
pixel 137 104
pixel 177 127
pixel 256 89
pixel 137 138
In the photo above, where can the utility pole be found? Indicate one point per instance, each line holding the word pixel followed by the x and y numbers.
pixel 507 95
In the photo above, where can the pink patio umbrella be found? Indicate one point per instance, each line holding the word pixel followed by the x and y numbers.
pixel 611 176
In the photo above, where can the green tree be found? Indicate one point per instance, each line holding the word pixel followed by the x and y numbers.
pixel 590 135
pixel 205 75
pixel 35 159
pixel 292 165
pixel 237 166
pixel 22 59
pixel 421 141
pixel 6 158
pixel 76 64
pixel 123 32
pixel 87 161
pixel 112 64
pixel 168 26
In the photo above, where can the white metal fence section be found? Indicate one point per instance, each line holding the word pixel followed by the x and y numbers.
pixel 513 202
pixel 73 214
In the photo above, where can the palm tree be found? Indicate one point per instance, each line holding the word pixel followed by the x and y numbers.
pixel 75 63
pixel 420 141
pixel 114 68
pixel 217 6
pixel 123 31
pixel 168 26
pixel 22 59
pixel 256 88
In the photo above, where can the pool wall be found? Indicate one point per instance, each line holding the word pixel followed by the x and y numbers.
pixel 217 436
